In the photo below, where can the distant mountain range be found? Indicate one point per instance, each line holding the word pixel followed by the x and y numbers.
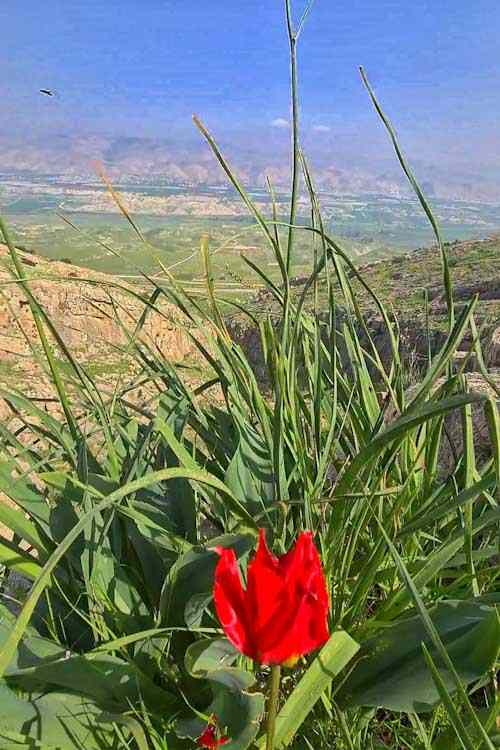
pixel 132 159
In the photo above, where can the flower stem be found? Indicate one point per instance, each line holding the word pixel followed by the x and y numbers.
pixel 272 706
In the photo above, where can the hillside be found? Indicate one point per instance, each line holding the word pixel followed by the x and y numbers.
pixel 401 283
pixel 188 162
pixel 78 302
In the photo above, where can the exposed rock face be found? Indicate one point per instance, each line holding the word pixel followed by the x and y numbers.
pixel 493 351
pixel 400 283
pixel 453 444
pixel 78 303
pixel 413 345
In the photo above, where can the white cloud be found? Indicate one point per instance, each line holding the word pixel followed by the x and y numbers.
pixel 321 128
pixel 279 122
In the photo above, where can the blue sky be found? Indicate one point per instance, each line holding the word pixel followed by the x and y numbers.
pixel 141 67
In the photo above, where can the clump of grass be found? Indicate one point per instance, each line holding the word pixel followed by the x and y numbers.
pixel 121 507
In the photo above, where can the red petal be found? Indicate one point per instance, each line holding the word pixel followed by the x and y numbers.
pixel 209 737
pixel 290 562
pixel 305 575
pixel 267 600
pixel 230 603
pixel 284 611
pixel 302 620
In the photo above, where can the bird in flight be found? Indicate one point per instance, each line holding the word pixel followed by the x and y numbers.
pixel 47 92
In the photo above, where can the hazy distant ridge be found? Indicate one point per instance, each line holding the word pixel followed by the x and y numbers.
pixel 140 159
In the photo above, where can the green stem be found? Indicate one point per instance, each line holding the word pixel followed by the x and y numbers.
pixel 292 37
pixel 272 706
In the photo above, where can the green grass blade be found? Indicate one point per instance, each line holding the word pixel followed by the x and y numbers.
pixel 457 723
pixel 421 197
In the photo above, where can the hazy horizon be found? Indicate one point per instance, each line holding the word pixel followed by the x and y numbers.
pixel 120 69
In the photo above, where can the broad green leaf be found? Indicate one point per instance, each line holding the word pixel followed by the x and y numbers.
pixel 110 682
pixel 195 608
pixel 236 706
pixel 44 578
pixel 59 720
pixel 193 575
pixel 208 654
pixel 171 428
pixel 107 680
pixel 250 474
pixel 155 525
pixel 392 672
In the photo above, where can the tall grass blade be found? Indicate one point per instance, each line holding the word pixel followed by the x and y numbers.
pixel 447 283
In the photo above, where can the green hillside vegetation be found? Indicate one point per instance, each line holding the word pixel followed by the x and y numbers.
pixel 410 286
pixel 175 239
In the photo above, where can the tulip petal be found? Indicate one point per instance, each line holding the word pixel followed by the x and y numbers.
pixel 300 625
pixel 283 614
pixel 230 606
pixel 267 596
pixel 305 577
pixel 209 738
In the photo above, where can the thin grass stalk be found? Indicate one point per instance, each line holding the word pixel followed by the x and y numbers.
pixel 333 250
pixel 279 252
pixel 205 257
pixel 447 282
pixel 459 727
pixel 294 93
pixel 234 180
pixel 469 472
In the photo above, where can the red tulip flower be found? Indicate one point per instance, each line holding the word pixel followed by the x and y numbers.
pixel 282 614
pixel 210 738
